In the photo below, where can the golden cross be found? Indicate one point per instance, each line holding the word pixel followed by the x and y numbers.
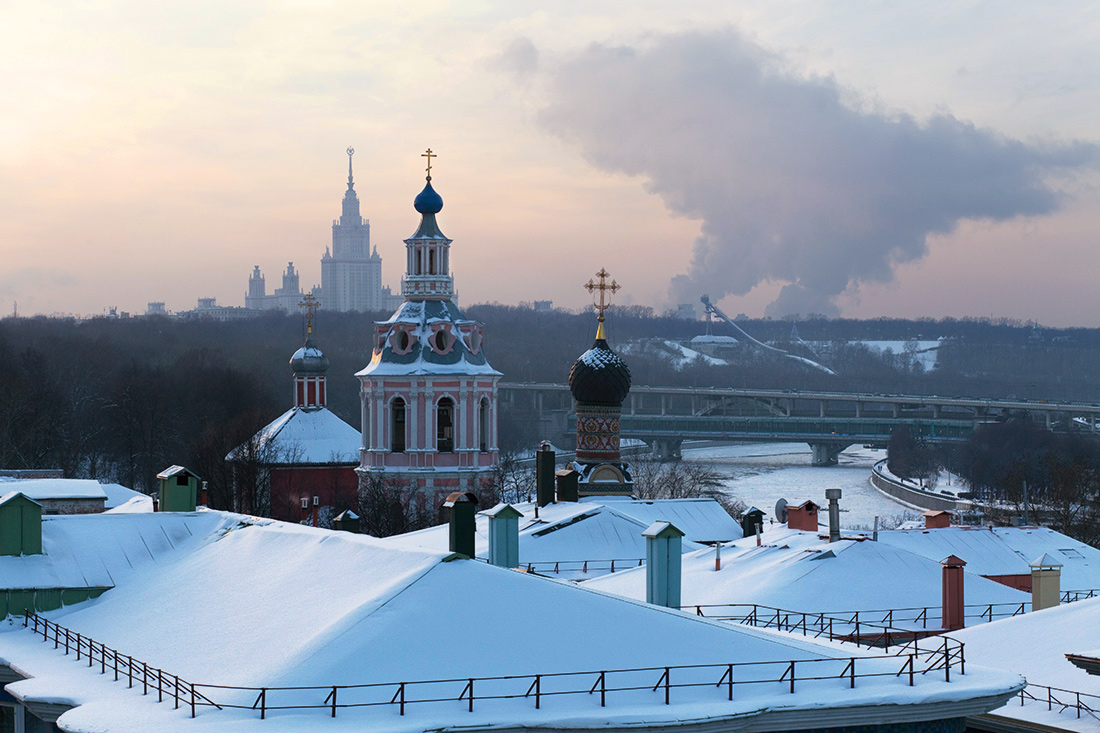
pixel 429 155
pixel 603 300
pixel 311 305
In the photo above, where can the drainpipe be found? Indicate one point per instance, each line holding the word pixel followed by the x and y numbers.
pixel 833 495
pixel 504 536
pixel 953 603
pixel 663 548
pixel 1046 580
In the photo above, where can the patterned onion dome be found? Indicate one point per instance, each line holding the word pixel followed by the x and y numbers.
pixel 309 359
pixel 599 376
pixel 428 201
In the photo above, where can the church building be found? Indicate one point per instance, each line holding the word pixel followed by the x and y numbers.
pixel 429 395
pixel 307 456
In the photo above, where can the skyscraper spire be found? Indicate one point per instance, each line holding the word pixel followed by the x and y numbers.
pixel 351 181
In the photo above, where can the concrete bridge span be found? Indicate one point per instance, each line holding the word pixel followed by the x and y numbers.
pixel 827 421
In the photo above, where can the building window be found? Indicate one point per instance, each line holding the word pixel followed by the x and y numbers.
pixel 483 425
pixel 444 423
pixel 397 427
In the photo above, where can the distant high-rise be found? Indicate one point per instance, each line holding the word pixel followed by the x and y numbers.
pixel 351 273
pixel 285 298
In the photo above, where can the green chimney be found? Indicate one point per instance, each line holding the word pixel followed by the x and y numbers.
pixel 504 536
pixel 20 525
pixel 178 489
pixel 663 543
pixel 463 506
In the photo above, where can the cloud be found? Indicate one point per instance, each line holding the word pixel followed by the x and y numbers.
pixel 520 58
pixel 794 179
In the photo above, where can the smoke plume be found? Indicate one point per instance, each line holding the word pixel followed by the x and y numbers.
pixel 792 182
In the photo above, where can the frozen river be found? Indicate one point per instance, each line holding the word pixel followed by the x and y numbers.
pixel 761 473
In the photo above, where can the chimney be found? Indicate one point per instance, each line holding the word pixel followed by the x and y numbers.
pixel 803 516
pixel 567 479
pixel 833 495
pixel 544 474
pixel 936 519
pixel 1046 579
pixel 316 509
pixel 463 507
pixel 953 604
pixel 20 526
pixel 663 548
pixel 504 535
pixel 346 521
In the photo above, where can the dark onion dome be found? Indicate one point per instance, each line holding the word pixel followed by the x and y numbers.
pixel 309 359
pixel 428 201
pixel 599 376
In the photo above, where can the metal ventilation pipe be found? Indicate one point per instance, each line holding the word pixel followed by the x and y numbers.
pixel 833 495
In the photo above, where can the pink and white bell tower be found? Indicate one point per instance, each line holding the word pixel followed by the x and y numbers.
pixel 429 395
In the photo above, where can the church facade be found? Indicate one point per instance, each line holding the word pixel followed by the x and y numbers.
pixel 429 395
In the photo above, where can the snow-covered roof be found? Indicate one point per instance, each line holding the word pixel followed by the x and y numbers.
pixel 1003 550
pixel 1035 645
pixel 300 436
pixel 610 528
pixel 101 550
pixel 417 318
pixel 117 495
pixel 802 572
pixel 276 604
pixel 40 489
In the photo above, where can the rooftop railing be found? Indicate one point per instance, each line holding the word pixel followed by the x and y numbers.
pixel 908 663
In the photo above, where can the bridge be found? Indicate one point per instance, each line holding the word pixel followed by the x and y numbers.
pixel 828 422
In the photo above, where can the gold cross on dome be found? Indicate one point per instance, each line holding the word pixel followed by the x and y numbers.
pixel 429 155
pixel 602 301
pixel 311 304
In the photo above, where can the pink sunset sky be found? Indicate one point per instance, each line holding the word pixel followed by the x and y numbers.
pixel 853 158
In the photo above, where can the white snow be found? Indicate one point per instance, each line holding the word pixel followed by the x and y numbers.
pixel 568 534
pixel 308 436
pixel 1035 646
pixel 800 571
pixel 54 488
pixel 278 604
pixel 117 495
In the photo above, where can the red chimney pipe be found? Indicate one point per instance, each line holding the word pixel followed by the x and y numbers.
pixel 953 603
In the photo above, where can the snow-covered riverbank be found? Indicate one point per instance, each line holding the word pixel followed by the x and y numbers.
pixel 761 473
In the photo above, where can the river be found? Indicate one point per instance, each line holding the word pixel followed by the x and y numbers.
pixel 761 473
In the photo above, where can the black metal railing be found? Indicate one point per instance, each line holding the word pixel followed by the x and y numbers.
pixel 906 663
pixel 1059 700
pixel 899 620
pixel 557 567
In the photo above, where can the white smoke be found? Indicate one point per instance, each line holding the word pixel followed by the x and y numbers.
pixel 791 181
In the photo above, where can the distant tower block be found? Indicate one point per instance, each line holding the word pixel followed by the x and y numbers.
pixel 351 274
pixel 429 395
pixel 600 381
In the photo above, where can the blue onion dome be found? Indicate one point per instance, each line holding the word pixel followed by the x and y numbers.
pixel 309 359
pixel 428 201
pixel 599 376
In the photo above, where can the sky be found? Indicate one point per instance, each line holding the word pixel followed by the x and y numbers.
pixel 860 159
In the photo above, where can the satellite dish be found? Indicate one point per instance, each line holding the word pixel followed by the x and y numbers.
pixel 781 511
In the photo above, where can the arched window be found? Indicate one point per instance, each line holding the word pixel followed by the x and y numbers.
pixel 444 424
pixel 397 426
pixel 483 425
pixel 431 262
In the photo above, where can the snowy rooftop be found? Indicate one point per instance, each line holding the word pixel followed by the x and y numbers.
pixel 308 436
pixel 1035 646
pixel 54 488
pixel 417 318
pixel 570 533
pixel 801 572
pixel 1003 550
pixel 276 604
pixel 102 550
